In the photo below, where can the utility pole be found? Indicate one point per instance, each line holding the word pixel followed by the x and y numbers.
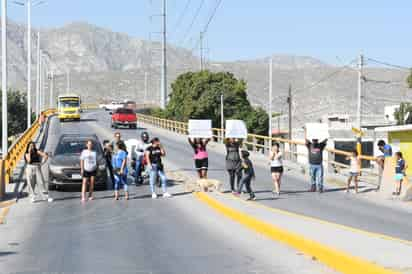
pixel 51 78
pixel 4 109
pixel 222 115
pixel 41 80
pixel 68 81
pixel 359 108
pixel 163 85
pixel 38 77
pixel 145 88
pixel 29 111
pixel 270 96
pixel 290 111
pixel 201 51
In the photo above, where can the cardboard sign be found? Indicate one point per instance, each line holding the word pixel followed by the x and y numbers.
pixel 318 131
pixel 200 129
pixel 236 129
pixel 131 147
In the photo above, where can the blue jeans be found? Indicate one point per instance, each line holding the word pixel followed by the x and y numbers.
pixel 138 169
pixel 120 180
pixel 316 175
pixel 154 172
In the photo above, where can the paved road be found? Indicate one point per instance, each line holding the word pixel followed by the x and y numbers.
pixel 334 205
pixel 178 235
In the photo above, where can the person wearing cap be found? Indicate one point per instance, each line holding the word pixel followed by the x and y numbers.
pixel 315 151
pixel 141 147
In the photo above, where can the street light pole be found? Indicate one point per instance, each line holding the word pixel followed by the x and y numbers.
pixel 222 116
pixel 163 89
pixel 51 78
pixel 38 77
pixel 4 77
pixel 270 96
pixel 29 64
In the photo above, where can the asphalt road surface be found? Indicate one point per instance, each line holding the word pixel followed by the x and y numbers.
pixel 334 205
pixel 177 235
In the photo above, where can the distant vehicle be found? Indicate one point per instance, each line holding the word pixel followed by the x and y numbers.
pixel 124 117
pixel 69 107
pixel 64 166
pixel 112 106
pixel 131 105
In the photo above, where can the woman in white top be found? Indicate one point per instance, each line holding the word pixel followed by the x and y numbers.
pixel 88 167
pixel 276 167
pixel 354 171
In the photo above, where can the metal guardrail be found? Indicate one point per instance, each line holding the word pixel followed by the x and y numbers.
pixel 258 143
pixel 16 152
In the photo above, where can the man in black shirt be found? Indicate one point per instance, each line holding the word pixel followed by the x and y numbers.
pixel 154 154
pixel 315 153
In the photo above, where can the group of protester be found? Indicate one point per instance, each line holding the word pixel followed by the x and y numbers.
pixel 148 156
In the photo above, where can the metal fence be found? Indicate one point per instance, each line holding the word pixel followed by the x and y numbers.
pixel 293 150
pixel 16 152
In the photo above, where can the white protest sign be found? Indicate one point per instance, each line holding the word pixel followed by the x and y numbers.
pixel 131 145
pixel 318 131
pixel 200 129
pixel 236 129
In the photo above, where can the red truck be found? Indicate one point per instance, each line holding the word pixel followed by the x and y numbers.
pixel 124 117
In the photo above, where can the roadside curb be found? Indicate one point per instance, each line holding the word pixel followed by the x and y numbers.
pixel 329 256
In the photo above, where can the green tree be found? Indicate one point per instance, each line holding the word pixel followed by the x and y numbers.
pixel 17 113
pixel 403 114
pixel 196 95
pixel 410 79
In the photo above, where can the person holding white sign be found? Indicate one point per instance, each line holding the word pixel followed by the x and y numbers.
pixel 201 156
pixel 315 150
pixel 234 163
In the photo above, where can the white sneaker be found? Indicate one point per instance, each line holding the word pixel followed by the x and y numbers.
pixel 50 200
pixel 154 195
pixel 167 195
pixel 33 200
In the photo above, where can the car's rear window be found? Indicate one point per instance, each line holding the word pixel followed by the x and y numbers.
pixel 124 111
pixel 75 146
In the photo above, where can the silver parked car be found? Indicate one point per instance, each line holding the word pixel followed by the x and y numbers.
pixel 64 165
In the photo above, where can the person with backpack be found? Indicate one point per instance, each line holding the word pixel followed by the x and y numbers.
pixel 201 156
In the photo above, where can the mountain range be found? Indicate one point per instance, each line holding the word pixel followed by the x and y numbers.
pixel 104 65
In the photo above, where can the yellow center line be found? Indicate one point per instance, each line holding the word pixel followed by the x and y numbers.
pixel 329 256
pixel 313 219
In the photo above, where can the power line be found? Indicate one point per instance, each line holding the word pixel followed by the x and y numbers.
pixel 206 27
pixel 388 64
pixel 193 22
pixel 182 15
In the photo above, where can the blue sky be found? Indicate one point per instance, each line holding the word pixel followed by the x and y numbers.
pixel 333 31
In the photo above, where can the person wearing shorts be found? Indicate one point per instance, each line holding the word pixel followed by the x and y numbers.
pixel 354 171
pixel 276 167
pixel 201 156
pixel 400 171
pixel 88 168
